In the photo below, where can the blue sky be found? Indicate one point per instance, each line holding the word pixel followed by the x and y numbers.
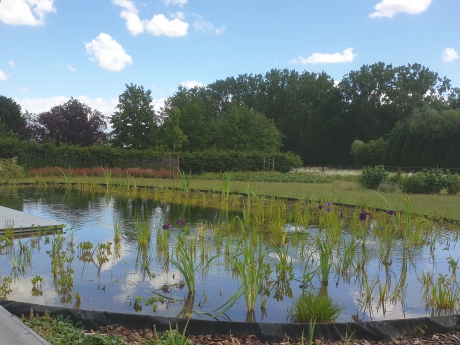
pixel 51 50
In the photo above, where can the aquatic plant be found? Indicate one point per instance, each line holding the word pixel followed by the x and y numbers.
pixel 317 307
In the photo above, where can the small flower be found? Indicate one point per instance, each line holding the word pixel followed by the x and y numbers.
pixel 364 215
pixel 167 226
pixel 181 221
pixel 329 204
pixel 391 213
pixel 320 207
pixel 328 209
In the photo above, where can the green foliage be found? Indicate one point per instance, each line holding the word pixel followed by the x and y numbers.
pixel 372 177
pixel 430 182
pixel 368 154
pixel 428 139
pixel 244 129
pixel 10 170
pixel 171 337
pixel 221 161
pixel 135 122
pixel 12 123
pixel 318 307
pixel 61 330
pixel 171 135
pixel 266 177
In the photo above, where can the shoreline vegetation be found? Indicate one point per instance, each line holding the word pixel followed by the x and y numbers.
pixel 339 191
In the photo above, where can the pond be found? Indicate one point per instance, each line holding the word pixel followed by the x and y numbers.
pixel 144 252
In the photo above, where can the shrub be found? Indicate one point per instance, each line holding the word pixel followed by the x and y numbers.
pixel 453 183
pixel 372 177
pixel 310 306
pixel 9 169
pixel 427 182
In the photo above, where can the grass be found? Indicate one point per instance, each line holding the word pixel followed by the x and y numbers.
pixel 338 192
pixel 318 307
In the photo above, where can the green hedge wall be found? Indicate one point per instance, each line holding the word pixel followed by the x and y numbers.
pixel 33 155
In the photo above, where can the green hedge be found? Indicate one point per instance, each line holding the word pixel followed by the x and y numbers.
pixel 430 182
pixel 221 161
pixel 33 156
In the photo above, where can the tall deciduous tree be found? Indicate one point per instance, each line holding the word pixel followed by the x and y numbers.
pixel 197 116
pixel 171 135
pixel 72 123
pixel 135 122
pixel 11 120
pixel 244 129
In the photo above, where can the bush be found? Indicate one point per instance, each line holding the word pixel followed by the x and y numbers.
pixel 453 183
pixel 9 169
pixel 429 182
pixel 372 177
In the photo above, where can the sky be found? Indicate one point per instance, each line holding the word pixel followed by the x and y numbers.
pixel 51 50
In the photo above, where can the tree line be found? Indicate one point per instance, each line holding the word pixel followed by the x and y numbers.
pixel 380 114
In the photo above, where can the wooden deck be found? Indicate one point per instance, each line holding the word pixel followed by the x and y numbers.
pixel 14 332
pixel 24 224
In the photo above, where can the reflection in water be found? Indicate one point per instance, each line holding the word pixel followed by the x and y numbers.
pixel 103 264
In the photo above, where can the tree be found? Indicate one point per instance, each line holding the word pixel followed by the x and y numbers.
pixel 72 123
pixel 197 116
pixel 135 122
pixel 11 120
pixel 378 96
pixel 244 129
pixel 171 134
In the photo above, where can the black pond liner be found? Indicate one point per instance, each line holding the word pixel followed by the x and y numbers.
pixel 372 330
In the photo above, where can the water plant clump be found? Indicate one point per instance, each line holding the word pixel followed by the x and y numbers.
pixel 311 306
pixel 240 256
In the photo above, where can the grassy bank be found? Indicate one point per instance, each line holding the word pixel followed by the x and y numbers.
pixel 337 191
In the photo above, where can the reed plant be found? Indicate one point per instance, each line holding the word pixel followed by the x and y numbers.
pixel 324 249
pixel 143 231
pixel 107 177
pixel 226 186
pixel 67 176
pixel 187 264
pixel 317 307
pixel 249 262
pixel 284 269
pixel 185 181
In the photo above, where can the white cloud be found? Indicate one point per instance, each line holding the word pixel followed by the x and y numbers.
pixel 449 55
pixel 2 75
pixel 346 56
pixel 388 8
pixel 108 53
pixel 179 3
pixel 105 106
pixel 204 26
pixel 71 68
pixel 191 83
pixel 23 89
pixel 131 17
pixel 25 12
pixel 12 64
pixel 160 25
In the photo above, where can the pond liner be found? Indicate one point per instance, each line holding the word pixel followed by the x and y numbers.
pixel 388 330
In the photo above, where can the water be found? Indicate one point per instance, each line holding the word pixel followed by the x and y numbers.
pixel 115 284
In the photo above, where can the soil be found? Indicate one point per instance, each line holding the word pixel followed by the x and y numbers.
pixel 135 337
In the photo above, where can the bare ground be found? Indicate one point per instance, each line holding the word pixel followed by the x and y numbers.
pixel 135 337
